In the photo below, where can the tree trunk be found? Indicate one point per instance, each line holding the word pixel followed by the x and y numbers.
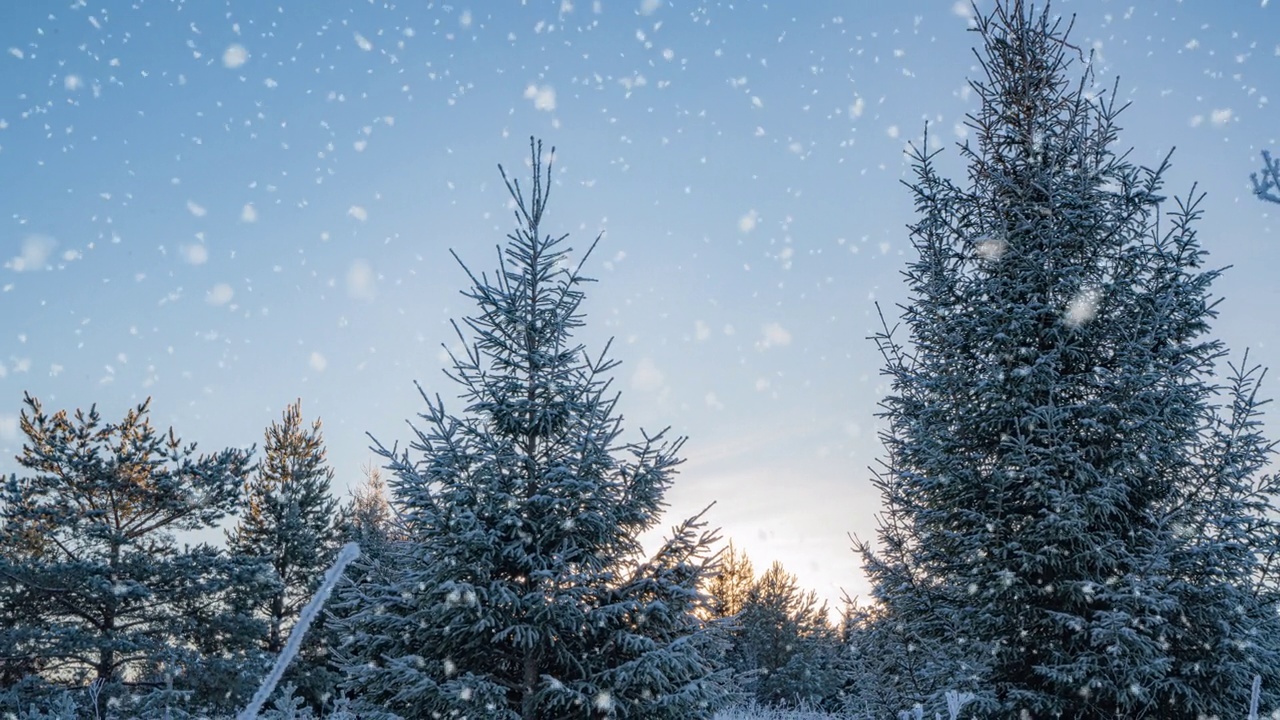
pixel 528 710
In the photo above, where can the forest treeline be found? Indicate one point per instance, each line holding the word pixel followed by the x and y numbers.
pixel 1078 514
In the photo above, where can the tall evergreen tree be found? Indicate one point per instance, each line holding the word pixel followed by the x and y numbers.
pixel 787 642
pixel 783 649
pixel 521 590
pixel 368 519
pixel 731 583
pixel 291 522
pixel 104 591
pixel 1072 526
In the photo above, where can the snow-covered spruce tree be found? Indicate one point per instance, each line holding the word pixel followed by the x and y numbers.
pixel 520 590
pixel 1073 526
pixel 290 521
pixel 367 519
pixel 784 649
pixel 107 592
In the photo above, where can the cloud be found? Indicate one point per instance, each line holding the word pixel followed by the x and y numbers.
pixel 649 7
pixel 195 254
pixel 8 427
pixel 773 335
pixel 358 213
pixel 360 280
pixel 248 213
pixel 748 222
pixel 317 362
pixel 701 330
pixel 543 97
pixel 219 294
pixel 363 42
pixel 35 254
pixel 235 56
pixel 647 378
pixel 1220 117
pixel 196 209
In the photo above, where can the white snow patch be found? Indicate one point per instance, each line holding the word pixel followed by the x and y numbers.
pixel 747 222
pixel 35 253
pixel 990 248
pixel 361 280
pixel 16 52
pixel 464 19
pixel 248 213
pixel 647 378
pixel 72 82
pixel 358 213
pixel 220 294
pixel 317 362
pixel 543 97
pixel 195 254
pixel 1083 307
pixel 892 131
pixel 196 209
pixel 649 7
pixel 363 42
pixel 858 106
pixel 1220 117
pixel 773 335
pixel 234 56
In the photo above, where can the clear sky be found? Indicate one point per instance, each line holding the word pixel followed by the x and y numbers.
pixel 229 205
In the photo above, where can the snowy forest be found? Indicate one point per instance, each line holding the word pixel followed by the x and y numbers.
pixel 1078 512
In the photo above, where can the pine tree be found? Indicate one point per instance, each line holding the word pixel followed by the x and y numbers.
pixel 1073 526
pixel 368 519
pixel 520 590
pixel 730 584
pixel 291 522
pixel 105 592
pixel 781 646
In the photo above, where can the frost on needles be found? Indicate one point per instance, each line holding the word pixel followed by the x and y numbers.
pixel 1077 522
pixel 520 589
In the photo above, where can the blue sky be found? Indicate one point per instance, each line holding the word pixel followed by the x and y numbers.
pixel 229 205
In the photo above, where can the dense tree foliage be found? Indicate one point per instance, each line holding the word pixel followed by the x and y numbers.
pixel 290 522
pixel 93 576
pixel 520 590
pixel 1076 522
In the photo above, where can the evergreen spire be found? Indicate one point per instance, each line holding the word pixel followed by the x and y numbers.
pixel 521 590
pixel 1051 422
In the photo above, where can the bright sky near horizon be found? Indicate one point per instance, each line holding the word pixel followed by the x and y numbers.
pixel 229 205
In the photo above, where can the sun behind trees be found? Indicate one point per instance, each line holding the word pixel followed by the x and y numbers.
pixel 521 590
pixel 1077 522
